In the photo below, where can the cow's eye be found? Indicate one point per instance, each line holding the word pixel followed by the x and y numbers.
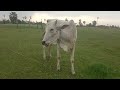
pixel 51 30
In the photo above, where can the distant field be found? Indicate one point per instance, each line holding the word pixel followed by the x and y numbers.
pixel 97 54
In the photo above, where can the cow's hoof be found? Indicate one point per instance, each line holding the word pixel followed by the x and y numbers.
pixel 58 69
pixel 73 73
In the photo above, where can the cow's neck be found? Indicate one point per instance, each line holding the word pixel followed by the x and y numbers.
pixel 59 33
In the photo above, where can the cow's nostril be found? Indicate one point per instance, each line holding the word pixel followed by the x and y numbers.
pixel 43 42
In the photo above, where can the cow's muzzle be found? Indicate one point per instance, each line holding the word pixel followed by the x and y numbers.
pixel 44 43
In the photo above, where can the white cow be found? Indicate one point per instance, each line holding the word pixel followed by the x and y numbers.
pixel 64 34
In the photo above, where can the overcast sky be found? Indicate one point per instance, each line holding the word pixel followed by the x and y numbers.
pixel 105 17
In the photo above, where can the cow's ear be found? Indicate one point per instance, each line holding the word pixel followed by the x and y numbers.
pixel 64 26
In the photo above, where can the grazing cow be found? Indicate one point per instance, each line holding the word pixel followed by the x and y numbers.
pixel 64 34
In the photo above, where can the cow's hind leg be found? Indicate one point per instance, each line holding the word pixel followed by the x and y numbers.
pixel 72 59
pixel 58 57
pixel 44 53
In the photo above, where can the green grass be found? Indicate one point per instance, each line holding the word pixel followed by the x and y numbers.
pixel 97 55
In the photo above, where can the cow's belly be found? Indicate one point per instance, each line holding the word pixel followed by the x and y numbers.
pixel 66 46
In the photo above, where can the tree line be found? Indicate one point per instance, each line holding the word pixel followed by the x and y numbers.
pixel 13 19
pixel 94 23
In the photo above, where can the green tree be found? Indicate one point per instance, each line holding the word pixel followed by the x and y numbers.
pixel 25 19
pixel 89 25
pixel 97 20
pixel 41 24
pixel 84 22
pixel 37 24
pixel 4 19
pixel 94 23
pixel 19 21
pixel 29 20
pixel 80 23
pixel 7 21
pixel 66 19
pixel 13 17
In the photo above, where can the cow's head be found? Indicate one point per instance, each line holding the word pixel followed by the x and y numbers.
pixel 51 32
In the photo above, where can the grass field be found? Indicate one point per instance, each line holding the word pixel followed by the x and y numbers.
pixel 97 55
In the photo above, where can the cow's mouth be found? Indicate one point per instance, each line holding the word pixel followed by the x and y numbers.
pixel 46 44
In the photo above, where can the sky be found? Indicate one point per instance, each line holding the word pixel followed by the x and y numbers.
pixel 105 17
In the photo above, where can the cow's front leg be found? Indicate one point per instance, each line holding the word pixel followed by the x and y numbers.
pixel 58 56
pixel 49 51
pixel 72 59
pixel 44 53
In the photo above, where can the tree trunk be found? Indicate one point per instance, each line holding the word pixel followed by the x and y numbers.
pixel 17 25
pixel 29 23
pixel 37 25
